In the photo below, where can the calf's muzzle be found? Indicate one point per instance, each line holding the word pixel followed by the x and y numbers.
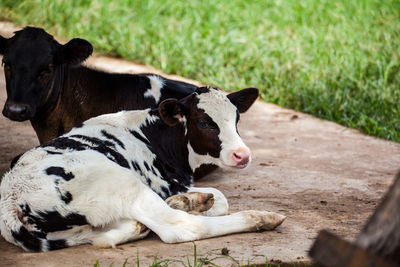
pixel 241 157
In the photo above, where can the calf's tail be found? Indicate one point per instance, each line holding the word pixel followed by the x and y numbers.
pixel 14 231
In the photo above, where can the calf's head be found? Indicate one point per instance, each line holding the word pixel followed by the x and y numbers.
pixel 210 119
pixel 32 59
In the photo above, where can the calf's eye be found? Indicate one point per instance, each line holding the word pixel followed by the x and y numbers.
pixel 206 125
pixel 203 125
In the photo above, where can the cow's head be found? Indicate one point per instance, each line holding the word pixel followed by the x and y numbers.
pixel 210 118
pixel 32 60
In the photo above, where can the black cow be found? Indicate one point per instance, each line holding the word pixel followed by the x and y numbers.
pixel 47 85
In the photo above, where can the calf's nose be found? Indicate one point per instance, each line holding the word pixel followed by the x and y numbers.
pixel 241 157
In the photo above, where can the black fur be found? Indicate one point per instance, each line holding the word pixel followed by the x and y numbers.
pixel 139 137
pixel 59 171
pixel 53 152
pixel 14 161
pixel 106 148
pixel 113 138
pixel 146 166
pixel 67 197
pixel 171 156
pixel 52 221
pixel 28 239
pixel 65 143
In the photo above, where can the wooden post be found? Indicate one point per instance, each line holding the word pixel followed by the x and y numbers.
pixel 331 251
pixel 381 234
pixel 378 244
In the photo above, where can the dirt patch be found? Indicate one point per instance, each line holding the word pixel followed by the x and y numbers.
pixel 319 174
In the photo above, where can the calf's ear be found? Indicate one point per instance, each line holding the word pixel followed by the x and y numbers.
pixel 74 52
pixel 3 42
pixel 244 98
pixel 170 111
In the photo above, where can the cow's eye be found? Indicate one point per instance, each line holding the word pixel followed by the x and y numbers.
pixel 7 68
pixel 44 76
pixel 47 69
pixel 5 64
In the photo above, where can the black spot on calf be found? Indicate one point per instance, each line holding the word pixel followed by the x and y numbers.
pixel 52 221
pixel 28 239
pixel 104 147
pixel 95 141
pixel 15 160
pixel 56 244
pixel 146 166
pixel 80 125
pixel 66 143
pixel 59 171
pixel 136 166
pixel 141 138
pixel 113 138
pixel 53 152
pixel 66 197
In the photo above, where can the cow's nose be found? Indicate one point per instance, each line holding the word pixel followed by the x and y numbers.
pixel 18 108
pixel 241 157
pixel 17 111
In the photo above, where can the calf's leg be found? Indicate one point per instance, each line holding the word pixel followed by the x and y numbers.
pixel 174 226
pixel 191 202
pixel 126 230
pixel 119 232
pixel 220 205
pixel 129 230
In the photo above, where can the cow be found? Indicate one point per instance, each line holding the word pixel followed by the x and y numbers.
pixel 105 182
pixel 47 85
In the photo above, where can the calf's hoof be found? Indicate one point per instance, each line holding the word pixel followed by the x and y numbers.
pixel 192 202
pixel 265 220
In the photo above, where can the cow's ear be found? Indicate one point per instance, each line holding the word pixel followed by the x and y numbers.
pixel 244 98
pixel 170 111
pixel 3 43
pixel 74 52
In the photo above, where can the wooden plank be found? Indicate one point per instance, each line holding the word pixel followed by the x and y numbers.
pixel 381 234
pixel 331 251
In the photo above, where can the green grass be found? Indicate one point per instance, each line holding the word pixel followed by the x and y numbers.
pixel 338 60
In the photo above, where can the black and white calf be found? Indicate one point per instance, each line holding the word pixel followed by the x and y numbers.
pixel 101 183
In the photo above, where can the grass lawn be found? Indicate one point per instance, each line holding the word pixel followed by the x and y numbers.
pixel 338 60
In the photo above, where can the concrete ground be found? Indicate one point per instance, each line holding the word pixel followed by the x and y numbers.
pixel 319 174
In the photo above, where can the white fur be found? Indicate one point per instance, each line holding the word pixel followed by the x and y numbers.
pixel 223 113
pixel 157 84
pixel 117 124
pixel 195 160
